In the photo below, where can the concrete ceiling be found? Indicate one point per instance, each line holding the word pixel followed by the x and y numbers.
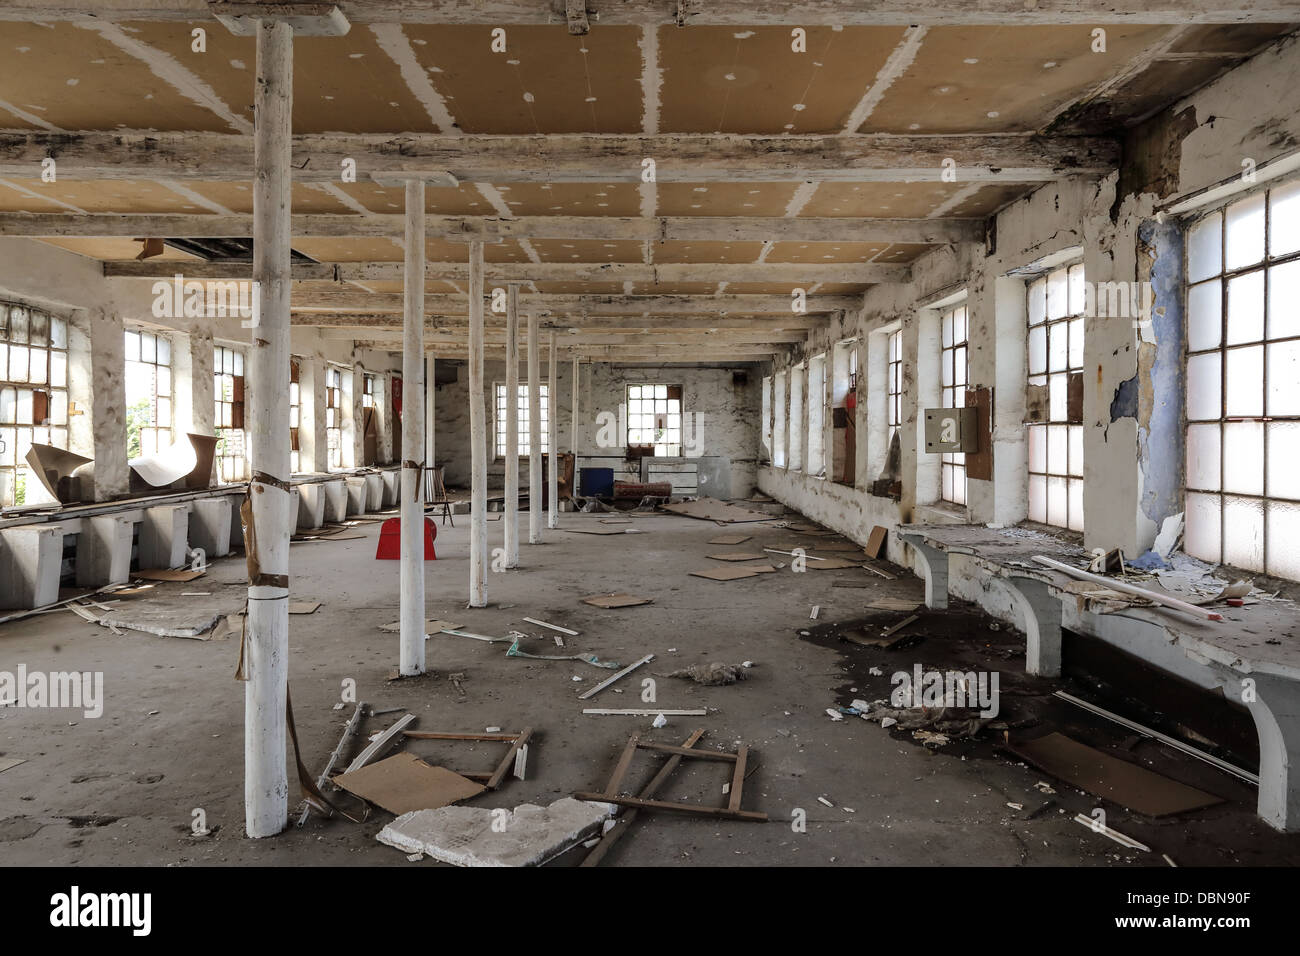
pixel 445 79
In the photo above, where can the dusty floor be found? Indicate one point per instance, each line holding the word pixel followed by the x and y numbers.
pixel 123 788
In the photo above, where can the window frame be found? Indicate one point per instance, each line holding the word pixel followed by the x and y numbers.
pixel 1271 423
pixel 1043 439
pixel 660 448
pixel 48 414
pixel 521 413
pixel 231 468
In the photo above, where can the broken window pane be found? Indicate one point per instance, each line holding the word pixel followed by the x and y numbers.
pixel 1037 301
pixel 1038 496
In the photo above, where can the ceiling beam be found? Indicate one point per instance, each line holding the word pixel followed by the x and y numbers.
pixel 391 303
pixel 710 13
pixel 609 228
pixel 570 157
pixel 644 341
pixel 795 273
pixel 587 323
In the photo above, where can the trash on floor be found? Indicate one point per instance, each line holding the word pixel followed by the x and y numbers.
pixel 403 783
pixel 732 573
pixel 515 758
pixel 587 695
pixel 711 675
pixel 613 792
pixel 1111 778
pixel 610 601
pixel 591 659
pixel 529 835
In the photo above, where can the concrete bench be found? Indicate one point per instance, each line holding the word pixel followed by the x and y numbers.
pixel 31 557
pixel 336 500
pixel 1232 657
pixel 311 505
pixel 104 548
pixel 392 479
pixel 211 525
pixel 358 491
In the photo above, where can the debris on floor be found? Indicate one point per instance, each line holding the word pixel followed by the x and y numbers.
pixel 403 783
pixel 164 619
pixel 949 721
pixel 529 835
pixel 617 600
pixel 711 675
pixel 1111 778
pixel 732 573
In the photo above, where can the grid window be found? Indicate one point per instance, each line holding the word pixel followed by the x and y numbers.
pixel 33 397
pixel 521 409
pixel 895 408
pixel 954 362
pixel 767 416
pixel 817 406
pixel 295 415
pixel 148 393
pixel 367 391
pixel 779 421
pixel 228 383
pixel 1056 307
pixel 334 415
pixel 1243 384
pixel 654 418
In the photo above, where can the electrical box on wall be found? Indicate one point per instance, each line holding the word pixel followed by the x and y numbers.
pixel 951 430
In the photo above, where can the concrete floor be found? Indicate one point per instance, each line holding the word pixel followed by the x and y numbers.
pixel 122 789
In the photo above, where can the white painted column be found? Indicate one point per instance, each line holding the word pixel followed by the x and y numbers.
pixel 430 406
pixel 573 432
pixel 266 648
pixel 511 517
pixel 534 433
pixel 477 434
pixel 552 435
pixel 411 618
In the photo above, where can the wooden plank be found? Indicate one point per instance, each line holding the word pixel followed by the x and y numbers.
pixel 683 752
pixel 432 735
pixel 626 819
pixel 587 695
pixel 624 761
pixel 723 812
pixel 508 760
pixel 380 743
pixel 642 712
pixel 569 157
pixel 738 778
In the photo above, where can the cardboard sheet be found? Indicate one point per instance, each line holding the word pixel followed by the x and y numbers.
pixel 431 626
pixel 730 539
pixel 894 604
pixel 164 574
pixel 616 600
pixel 738 556
pixel 303 607
pixel 876 541
pixel 1111 778
pixel 832 564
pixel 733 573
pixel 601 530
pixel 711 509
pixel 404 783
